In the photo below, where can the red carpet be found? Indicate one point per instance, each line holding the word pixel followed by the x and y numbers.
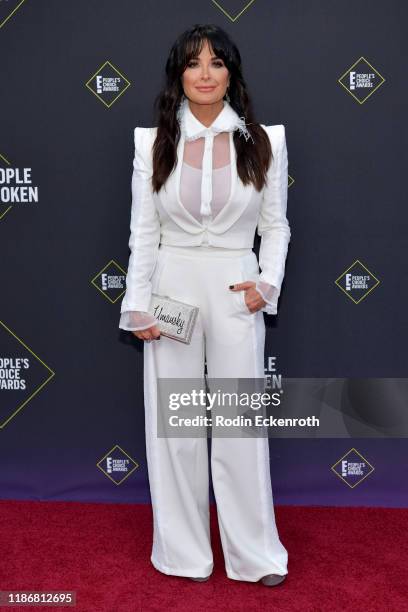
pixel 339 559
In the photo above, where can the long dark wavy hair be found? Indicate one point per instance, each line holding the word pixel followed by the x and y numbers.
pixel 253 158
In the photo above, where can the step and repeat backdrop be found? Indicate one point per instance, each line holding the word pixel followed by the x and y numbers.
pixel 77 78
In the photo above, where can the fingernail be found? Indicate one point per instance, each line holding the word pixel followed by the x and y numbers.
pixel 231 286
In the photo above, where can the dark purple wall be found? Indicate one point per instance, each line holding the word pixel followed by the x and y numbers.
pixel 82 392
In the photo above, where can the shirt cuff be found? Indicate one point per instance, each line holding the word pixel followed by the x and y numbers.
pixel 136 320
pixel 270 295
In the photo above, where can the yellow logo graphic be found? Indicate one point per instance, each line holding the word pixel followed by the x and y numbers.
pixel 221 6
pixel 361 80
pixel 22 374
pixel 357 282
pixel 108 84
pixel 352 468
pixel 111 281
pixel 117 465
pixel 7 10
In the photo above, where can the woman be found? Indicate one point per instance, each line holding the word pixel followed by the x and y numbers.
pixel 204 180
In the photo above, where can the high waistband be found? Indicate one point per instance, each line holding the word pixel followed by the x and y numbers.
pixel 204 251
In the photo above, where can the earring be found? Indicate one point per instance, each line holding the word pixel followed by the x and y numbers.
pixel 227 96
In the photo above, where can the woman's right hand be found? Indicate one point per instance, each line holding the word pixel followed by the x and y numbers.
pixel 151 333
pixel 142 324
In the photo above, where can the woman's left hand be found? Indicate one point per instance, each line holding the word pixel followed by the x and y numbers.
pixel 253 298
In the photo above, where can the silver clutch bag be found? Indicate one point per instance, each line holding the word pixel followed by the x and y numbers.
pixel 175 319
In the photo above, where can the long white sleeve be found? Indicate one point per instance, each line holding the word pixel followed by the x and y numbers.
pixel 273 226
pixel 144 232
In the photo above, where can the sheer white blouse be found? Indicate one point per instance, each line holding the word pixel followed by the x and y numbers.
pixel 190 195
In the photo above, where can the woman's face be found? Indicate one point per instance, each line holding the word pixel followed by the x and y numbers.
pixel 206 78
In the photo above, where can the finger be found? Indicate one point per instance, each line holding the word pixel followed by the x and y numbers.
pixel 243 285
pixel 145 335
pixel 254 301
pixel 155 331
pixel 254 297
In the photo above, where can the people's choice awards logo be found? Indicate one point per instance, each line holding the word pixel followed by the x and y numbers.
pixel 361 80
pixel 22 374
pixel 357 282
pixel 117 465
pixel 352 468
pixel 107 84
pixel 111 281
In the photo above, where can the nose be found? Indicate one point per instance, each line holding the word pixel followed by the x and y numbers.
pixel 204 72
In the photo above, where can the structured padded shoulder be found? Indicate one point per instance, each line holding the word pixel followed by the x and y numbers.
pixel 144 138
pixel 276 135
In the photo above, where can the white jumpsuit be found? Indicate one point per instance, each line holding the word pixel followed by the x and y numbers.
pixel 231 340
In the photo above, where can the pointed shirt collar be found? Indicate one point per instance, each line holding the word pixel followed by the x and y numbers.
pixel 226 121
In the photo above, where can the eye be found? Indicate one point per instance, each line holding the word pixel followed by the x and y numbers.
pixel 218 63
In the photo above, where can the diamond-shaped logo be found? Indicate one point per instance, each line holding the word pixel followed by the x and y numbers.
pixel 108 84
pixel 7 9
pixel 22 374
pixel 111 281
pixel 352 468
pixel 233 9
pixel 117 465
pixel 361 80
pixel 357 282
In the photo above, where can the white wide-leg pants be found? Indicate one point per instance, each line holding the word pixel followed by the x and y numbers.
pixel 232 340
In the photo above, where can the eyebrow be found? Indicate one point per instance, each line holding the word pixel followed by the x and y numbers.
pixel 212 57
